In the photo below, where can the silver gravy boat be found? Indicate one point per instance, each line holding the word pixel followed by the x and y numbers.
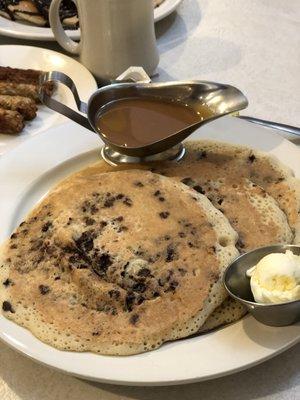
pixel 220 98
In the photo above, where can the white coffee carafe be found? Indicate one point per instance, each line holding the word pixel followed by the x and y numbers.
pixel 115 34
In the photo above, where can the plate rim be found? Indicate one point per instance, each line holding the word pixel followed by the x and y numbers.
pixel 13 29
pixel 91 144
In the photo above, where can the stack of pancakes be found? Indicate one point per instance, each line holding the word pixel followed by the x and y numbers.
pixel 120 261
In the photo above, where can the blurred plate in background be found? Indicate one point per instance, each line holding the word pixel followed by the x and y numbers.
pixel 23 30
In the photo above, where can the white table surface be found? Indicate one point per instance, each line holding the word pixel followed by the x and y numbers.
pixel 255 45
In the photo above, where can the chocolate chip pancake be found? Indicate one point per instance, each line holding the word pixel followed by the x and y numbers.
pixel 261 168
pixel 253 213
pixel 228 312
pixel 224 173
pixel 116 263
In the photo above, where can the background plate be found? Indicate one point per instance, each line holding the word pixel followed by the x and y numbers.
pixel 46 60
pixel 23 30
pixel 31 169
pixel 165 9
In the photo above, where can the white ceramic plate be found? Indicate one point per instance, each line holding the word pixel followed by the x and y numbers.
pixel 24 30
pixel 165 9
pixel 31 169
pixel 46 60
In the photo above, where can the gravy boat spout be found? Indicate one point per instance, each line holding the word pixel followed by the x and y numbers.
pixel 221 99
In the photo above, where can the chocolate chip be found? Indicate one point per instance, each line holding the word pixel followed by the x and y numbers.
pixel 157 193
pixel 140 300
pixel 22 223
pixel 44 289
pixel 129 301
pixel 82 266
pixel 126 265
pixel 127 202
pixel 86 241
pixel 199 189
pixel 114 294
pixel 122 229
pixel 103 224
pixel 181 234
pixel 14 236
pixel 134 319
pixel 144 272
pixel 119 219
pixel 113 311
pixel 96 333
pixel 220 201
pixel 164 214
pixel 6 306
pixel 161 199
pixel 201 154
pixel 170 254
pixel 7 282
pixel 172 287
pixel 170 272
pixel 252 158
pixel 94 209
pixel 89 221
pixel 109 202
pixel 155 294
pixel 190 244
pixel 46 226
pixel 138 184
pixel 120 196
pixel 103 262
pixel 182 271
pixel 139 252
pixel 139 287
pixel 57 278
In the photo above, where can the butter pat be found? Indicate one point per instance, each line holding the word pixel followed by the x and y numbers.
pixel 276 278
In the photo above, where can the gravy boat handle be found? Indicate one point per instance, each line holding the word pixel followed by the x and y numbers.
pixel 49 101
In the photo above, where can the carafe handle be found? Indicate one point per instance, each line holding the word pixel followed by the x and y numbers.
pixel 49 101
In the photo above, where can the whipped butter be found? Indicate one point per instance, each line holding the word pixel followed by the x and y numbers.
pixel 276 278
